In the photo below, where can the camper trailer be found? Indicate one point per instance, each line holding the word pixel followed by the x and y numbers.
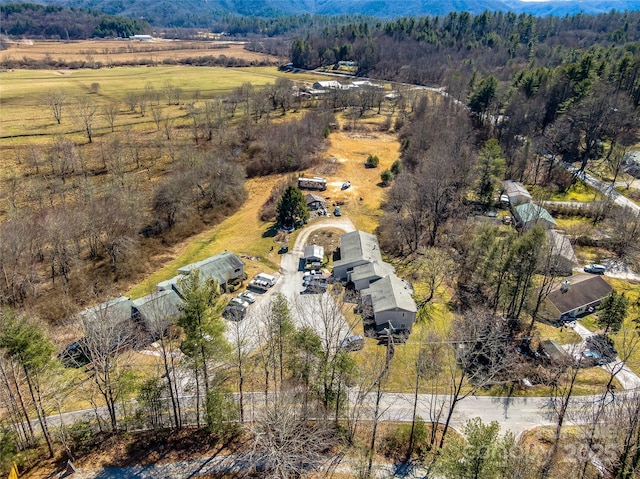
pixel 315 183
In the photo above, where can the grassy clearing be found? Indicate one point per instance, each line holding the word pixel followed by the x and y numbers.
pixel 564 336
pixel 579 192
pixel 243 233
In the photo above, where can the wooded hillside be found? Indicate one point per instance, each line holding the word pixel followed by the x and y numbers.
pixel 38 21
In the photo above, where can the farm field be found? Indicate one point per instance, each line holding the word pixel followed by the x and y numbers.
pixel 26 114
pixel 117 51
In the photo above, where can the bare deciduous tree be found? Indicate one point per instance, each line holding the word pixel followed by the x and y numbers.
pixel 56 100
pixel 107 337
pixel 111 111
pixel 85 112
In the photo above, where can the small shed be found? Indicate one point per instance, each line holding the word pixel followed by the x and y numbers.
pixel 576 296
pixel 314 202
pixel 516 192
pixel 554 351
pixel 314 254
pixel 529 215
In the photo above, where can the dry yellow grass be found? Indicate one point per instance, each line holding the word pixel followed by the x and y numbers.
pixel 348 152
pixel 114 51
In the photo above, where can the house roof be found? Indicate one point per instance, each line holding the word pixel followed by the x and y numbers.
pixel 328 84
pixel 118 308
pixel 171 283
pixel 311 198
pixel 390 293
pixel 561 246
pixel 357 246
pixel 314 252
pixel 515 189
pixel 583 289
pixel 529 212
pixel 159 305
pixel 220 267
pixel 371 270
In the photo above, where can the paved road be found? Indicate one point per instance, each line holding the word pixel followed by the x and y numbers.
pixel 604 188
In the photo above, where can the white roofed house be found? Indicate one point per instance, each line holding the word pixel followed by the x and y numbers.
pixel 516 192
pixel 313 254
pixel 327 85
pixel 392 304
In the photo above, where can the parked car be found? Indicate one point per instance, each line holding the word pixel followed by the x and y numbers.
pixel 314 288
pixel 239 302
pixel 337 211
pixel 353 343
pixel 248 297
pixel 346 184
pixel 234 312
pixel 595 269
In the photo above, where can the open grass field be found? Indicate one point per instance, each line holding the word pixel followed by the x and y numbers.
pixel 115 51
pixel 24 111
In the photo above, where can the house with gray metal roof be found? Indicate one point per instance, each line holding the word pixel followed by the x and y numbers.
pixel 313 254
pixel 314 202
pixel 356 248
pixel 529 214
pixel 169 284
pixel 223 268
pixel 392 304
pixel 516 192
pixel 563 257
pixel 157 310
pixel 362 276
pixel 117 309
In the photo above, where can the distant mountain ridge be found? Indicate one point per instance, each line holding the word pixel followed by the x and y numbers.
pixel 203 12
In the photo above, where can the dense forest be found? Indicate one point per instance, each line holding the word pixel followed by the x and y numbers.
pixel 195 14
pixel 38 21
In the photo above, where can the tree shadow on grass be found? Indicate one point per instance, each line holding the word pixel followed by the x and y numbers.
pixel 270 232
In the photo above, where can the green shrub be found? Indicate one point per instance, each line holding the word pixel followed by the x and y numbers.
pixel 386 177
pixel 8 449
pixel 222 413
pixel 372 161
pixel 396 442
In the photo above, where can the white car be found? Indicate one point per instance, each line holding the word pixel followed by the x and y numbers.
pixel 247 296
